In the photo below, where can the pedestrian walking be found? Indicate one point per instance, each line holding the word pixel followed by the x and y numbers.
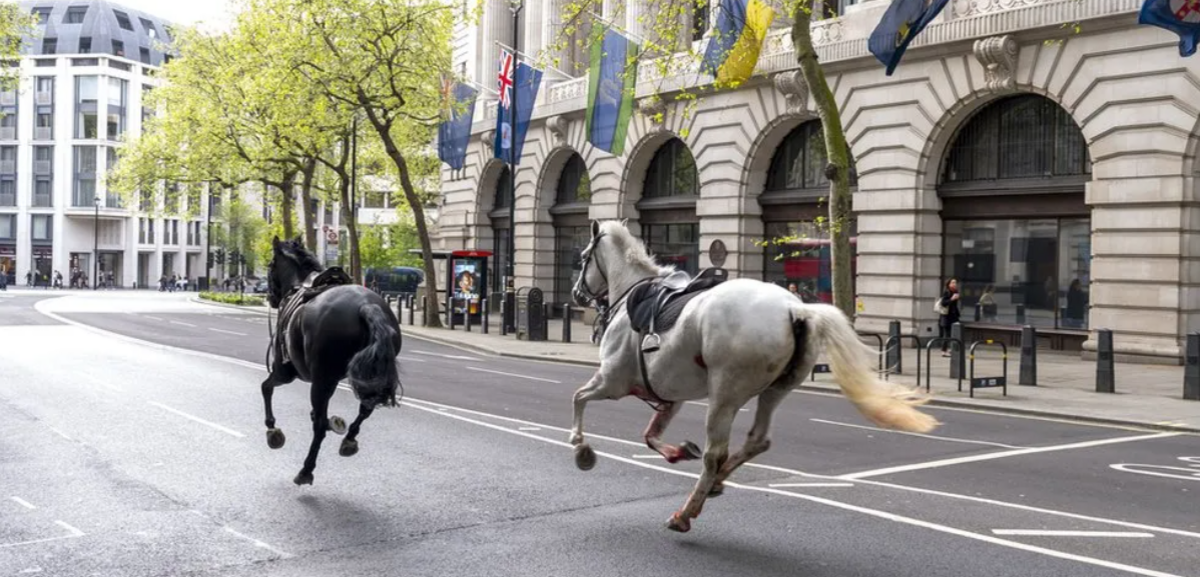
pixel 948 312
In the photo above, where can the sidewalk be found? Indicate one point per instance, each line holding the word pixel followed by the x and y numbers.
pixel 1147 395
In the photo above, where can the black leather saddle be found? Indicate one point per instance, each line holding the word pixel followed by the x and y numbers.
pixel 655 306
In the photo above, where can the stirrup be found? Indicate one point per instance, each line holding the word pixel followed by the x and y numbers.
pixel 648 345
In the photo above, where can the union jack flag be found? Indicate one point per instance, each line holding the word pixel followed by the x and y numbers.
pixel 505 78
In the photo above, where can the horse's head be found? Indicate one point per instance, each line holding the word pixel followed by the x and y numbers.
pixel 290 265
pixel 612 262
pixel 592 283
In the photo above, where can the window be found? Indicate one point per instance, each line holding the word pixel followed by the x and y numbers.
pixel 142 231
pixel 8 122
pixel 43 227
pixel 672 172
pixel 75 15
pixel 118 48
pixel 117 97
pixel 799 161
pixel 49 45
pixel 84 190
pixel 8 160
pixel 569 242
pixel 44 85
pixel 503 190
pixel 700 16
pixel 148 26
pixel 8 191
pixel 803 258
pixel 85 44
pixel 574 185
pixel 374 199
pixel 1024 136
pixel 1021 271
pixel 86 104
pixel 123 20
pixel 44 128
pixel 144 55
pixel 42 13
pixel 674 244
pixel 43 192
pixel 8 226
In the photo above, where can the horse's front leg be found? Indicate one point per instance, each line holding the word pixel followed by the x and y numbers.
pixel 721 412
pixel 280 375
pixel 585 457
pixel 350 443
pixel 654 431
pixel 322 390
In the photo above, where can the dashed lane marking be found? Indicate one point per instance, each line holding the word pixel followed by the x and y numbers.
pixel 74 533
pixel 183 324
pixel 22 502
pixel 455 357
pixel 802 485
pixel 938 437
pixel 1003 454
pixel 539 379
pixel 410 359
pixel 257 543
pixel 198 420
pixel 227 332
pixel 704 404
pixel 1045 533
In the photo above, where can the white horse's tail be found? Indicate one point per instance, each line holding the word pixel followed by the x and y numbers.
pixel 885 404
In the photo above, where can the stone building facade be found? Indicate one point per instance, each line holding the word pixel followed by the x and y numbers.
pixel 1052 172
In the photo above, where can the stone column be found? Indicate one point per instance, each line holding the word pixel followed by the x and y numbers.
pixel 495 26
pixel 534 33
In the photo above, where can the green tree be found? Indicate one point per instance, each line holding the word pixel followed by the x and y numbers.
pixel 16 26
pixel 241 230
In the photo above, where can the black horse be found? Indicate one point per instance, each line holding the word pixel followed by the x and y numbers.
pixel 328 328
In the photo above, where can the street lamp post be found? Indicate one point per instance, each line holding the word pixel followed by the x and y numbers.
pixel 208 243
pixel 510 293
pixel 96 244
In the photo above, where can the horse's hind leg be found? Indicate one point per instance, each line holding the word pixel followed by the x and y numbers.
pixel 721 412
pixel 350 444
pixel 585 457
pixel 653 435
pixel 322 390
pixel 758 440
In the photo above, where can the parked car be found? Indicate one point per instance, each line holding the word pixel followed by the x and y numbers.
pixel 260 287
pixel 400 279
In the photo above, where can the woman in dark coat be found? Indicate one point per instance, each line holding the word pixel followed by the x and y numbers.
pixel 949 302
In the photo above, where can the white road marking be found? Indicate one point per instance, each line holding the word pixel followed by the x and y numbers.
pixel 410 359
pixel 227 332
pixel 456 357
pixel 704 404
pixel 1043 533
pixel 800 485
pixel 257 543
pixel 539 379
pixel 529 428
pixel 22 502
pixel 1186 474
pixel 940 438
pixel 152 318
pixel 182 324
pixel 1003 454
pixel 198 419
pixel 74 532
pixel 61 434
pixel 647 457
pixel 837 504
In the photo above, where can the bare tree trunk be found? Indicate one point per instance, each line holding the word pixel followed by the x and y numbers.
pixel 838 169
pixel 350 210
pixel 286 198
pixel 418 209
pixel 310 213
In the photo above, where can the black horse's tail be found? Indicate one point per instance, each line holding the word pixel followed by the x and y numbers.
pixel 372 371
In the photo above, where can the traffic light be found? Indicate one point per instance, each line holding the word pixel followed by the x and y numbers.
pixel 220 256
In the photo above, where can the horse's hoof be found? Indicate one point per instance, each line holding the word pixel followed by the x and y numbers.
pixel 717 490
pixel 679 523
pixel 303 478
pixel 337 425
pixel 585 457
pixel 349 448
pixel 275 438
pixel 690 451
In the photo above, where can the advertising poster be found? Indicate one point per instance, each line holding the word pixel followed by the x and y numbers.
pixel 467 289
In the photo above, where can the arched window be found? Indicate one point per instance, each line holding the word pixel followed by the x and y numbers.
pixel 799 161
pixel 504 192
pixel 670 228
pixel 501 223
pixel 1026 136
pixel 571 227
pixel 672 172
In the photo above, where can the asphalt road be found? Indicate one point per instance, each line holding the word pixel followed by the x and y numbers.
pixel 122 457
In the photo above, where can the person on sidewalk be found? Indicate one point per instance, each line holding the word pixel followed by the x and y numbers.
pixel 948 313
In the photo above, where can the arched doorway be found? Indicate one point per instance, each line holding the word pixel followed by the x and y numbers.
pixel 1016 227
pixel 794 206
pixel 501 223
pixel 667 209
pixel 572 231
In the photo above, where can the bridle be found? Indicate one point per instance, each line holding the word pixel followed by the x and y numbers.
pixel 589 254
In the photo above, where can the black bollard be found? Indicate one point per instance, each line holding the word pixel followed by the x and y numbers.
pixel 566 322
pixel 1105 377
pixel 485 315
pixel 467 316
pixel 450 312
pixel 1020 314
pixel 1191 368
pixel 978 312
pixel 503 315
pixel 894 358
pixel 1028 356
pixel 412 309
pixel 957 353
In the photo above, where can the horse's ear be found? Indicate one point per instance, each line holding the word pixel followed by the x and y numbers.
pixel 275 242
pixel 299 240
pixel 595 228
pixel 625 222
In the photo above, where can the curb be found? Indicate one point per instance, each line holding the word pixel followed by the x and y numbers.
pixel 201 301
pixel 936 402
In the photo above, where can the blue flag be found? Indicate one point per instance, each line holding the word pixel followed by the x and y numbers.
pixel 509 142
pixel 611 84
pixel 454 133
pixel 902 22
pixel 1179 16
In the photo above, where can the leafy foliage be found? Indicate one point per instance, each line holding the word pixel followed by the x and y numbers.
pixel 234 299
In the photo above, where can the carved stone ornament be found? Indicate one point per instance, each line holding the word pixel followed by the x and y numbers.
pixel 998 55
pixel 795 89
pixel 489 139
pixel 655 110
pixel 558 126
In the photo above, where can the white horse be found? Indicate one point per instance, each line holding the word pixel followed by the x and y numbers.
pixel 739 340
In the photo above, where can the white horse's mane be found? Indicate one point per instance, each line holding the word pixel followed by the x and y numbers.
pixel 633 247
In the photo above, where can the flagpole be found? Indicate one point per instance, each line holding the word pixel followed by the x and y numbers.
pixel 510 296
pixel 548 67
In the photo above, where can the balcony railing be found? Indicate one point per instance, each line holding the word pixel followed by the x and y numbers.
pixel 8 98
pixel 83 199
pixel 43 166
pixel 43 133
pixel 8 167
pixel 8 133
pixel 8 199
pixel 43 98
pixel 43 200
pixel 113 201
